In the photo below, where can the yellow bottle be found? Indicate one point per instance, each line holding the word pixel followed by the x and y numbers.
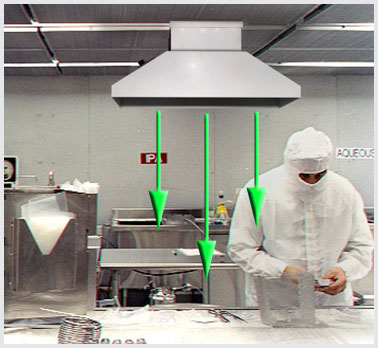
pixel 221 213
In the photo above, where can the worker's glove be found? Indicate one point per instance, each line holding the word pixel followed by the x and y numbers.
pixel 337 278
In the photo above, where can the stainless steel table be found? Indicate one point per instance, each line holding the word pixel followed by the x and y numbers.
pixel 173 259
pixel 164 259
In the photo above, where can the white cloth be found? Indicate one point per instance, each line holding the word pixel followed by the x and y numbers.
pixel 315 229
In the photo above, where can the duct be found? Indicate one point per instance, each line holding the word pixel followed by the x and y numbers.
pixel 205 68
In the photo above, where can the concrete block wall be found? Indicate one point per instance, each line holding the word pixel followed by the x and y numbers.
pixel 72 125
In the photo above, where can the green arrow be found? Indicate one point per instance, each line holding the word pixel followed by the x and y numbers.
pixel 256 194
pixel 206 247
pixel 158 197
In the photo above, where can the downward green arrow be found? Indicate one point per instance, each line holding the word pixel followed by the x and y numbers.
pixel 158 197
pixel 256 194
pixel 206 247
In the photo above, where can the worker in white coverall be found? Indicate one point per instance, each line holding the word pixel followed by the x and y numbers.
pixel 312 219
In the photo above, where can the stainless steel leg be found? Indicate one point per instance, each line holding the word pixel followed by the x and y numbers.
pixel 205 287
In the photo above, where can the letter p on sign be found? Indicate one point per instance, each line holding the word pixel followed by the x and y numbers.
pixel 150 158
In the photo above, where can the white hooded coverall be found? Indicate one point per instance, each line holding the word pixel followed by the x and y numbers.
pixel 313 226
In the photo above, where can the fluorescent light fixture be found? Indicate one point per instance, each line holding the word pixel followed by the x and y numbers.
pixel 56 63
pixel 326 64
pixel 26 28
pixel 97 64
pixel 29 65
pixel 53 27
pixel 338 26
pixel 126 25
pixel 326 26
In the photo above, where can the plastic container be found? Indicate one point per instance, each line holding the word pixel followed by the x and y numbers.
pixel 285 301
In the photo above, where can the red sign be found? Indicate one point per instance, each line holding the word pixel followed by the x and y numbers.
pixel 150 158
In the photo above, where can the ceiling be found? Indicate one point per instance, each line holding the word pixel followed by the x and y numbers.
pixel 273 33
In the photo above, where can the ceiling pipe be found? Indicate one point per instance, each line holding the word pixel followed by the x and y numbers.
pixel 30 13
pixel 291 29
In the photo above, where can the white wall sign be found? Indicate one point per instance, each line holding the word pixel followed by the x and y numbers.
pixel 355 153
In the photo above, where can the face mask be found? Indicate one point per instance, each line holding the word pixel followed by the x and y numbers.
pixel 302 189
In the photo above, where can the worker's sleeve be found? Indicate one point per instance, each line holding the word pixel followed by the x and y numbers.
pixel 356 259
pixel 245 239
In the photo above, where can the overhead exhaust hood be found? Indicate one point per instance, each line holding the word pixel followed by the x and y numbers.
pixel 205 67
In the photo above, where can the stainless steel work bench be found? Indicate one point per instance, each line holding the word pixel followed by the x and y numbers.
pixel 163 259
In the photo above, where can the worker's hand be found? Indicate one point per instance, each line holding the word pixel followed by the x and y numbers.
pixel 292 272
pixel 338 281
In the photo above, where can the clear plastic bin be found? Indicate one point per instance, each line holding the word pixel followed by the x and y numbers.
pixel 285 301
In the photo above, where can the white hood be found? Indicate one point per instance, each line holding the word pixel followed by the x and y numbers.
pixel 307 151
pixel 205 67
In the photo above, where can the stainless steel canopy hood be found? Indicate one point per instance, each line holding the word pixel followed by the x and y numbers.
pixel 205 67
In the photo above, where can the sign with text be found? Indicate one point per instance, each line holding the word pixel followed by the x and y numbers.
pixel 150 158
pixel 355 153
